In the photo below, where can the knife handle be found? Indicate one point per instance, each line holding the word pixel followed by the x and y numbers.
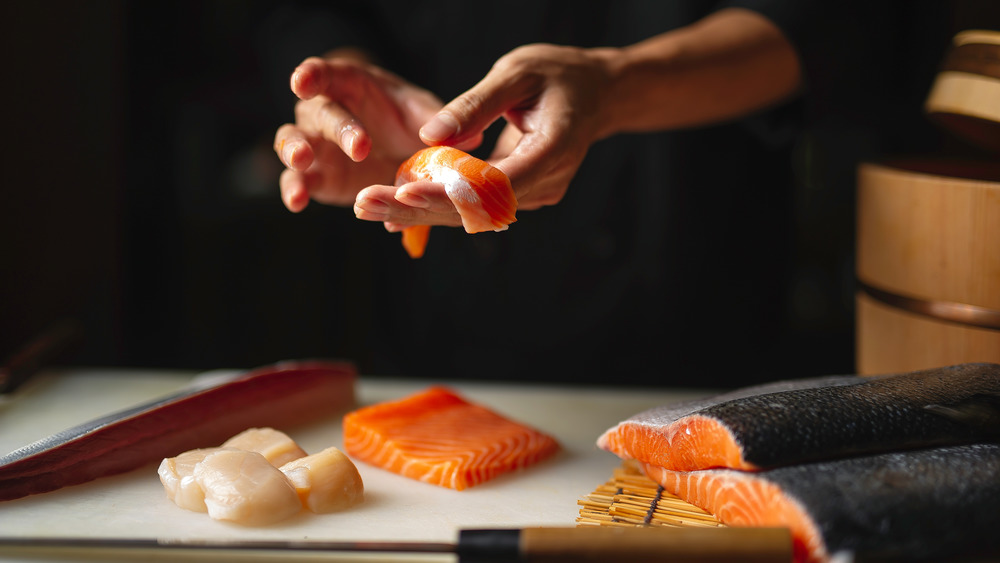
pixel 611 543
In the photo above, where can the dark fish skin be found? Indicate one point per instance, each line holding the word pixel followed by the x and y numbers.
pixel 929 504
pixel 979 411
pixel 666 414
pixel 281 395
pixel 935 504
pixel 870 415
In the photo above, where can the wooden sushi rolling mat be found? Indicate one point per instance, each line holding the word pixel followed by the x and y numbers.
pixel 631 499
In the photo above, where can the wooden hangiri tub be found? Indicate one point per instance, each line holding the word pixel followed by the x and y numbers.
pixel 928 264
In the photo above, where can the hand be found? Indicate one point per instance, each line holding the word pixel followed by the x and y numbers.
pixel 552 99
pixel 559 100
pixel 354 124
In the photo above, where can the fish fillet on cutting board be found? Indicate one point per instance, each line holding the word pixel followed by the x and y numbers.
pixel 438 437
pixel 932 504
pixel 798 421
pixel 283 394
pixel 396 508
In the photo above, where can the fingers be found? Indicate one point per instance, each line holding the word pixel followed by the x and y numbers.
pixel 331 121
pixel 506 142
pixel 295 152
pixel 429 196
pixel 470 144
pixel 539 165
pixel 293 148
pixel 383 204
pixel 326 88
pixel 337 79
pixel 294 191
pixel 311 78
pixel 472 112
pixel 315 171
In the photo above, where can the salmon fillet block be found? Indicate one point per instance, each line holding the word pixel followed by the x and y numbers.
pixel 438 437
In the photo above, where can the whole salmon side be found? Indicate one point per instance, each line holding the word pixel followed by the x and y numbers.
pixel 808 420
pixel 929 504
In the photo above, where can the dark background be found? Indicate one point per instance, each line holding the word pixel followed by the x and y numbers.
pixel 140 192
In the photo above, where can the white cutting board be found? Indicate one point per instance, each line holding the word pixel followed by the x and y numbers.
pixel 133 505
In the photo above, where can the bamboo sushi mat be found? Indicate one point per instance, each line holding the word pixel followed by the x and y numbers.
pixel 630 498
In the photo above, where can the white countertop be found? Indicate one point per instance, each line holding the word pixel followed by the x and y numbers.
pixel 133 505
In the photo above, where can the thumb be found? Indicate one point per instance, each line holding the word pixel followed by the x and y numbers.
pixel 468 115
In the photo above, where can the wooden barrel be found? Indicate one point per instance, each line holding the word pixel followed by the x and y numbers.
pixel 965 97
pixel 928 264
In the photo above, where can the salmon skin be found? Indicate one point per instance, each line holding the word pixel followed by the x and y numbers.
pixel 481 192
pixel 798 421
pixel 279 395
pixel 933 504
pixel 438 437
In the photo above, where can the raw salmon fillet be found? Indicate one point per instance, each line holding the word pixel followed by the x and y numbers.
pixel 481 193
pixel 797 421
pixel 438 437
pixel 933 504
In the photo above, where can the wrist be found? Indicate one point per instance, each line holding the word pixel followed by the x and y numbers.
pixel 609 63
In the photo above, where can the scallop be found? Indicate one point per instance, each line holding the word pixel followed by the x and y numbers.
pixel 327 481
pixel 177 476
pixel 244 488
pixel 276 446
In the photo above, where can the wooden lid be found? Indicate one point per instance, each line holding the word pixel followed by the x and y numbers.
pixel 965 97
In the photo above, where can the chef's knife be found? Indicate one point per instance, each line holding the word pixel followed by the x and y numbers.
pixel 583 544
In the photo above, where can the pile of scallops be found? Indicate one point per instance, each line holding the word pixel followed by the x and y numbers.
pixel 259 477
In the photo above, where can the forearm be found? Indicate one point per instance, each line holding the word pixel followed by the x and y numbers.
pixel 727 65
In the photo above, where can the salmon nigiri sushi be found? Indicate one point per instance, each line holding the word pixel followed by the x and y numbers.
pixel 481 192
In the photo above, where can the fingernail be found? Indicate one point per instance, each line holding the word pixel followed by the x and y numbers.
pixel 301 85
pixel 347 140
pixel 366 215
pixel 295 203
pixel 442 126
pixel 295 82
pixel 373 206
pixel 413 200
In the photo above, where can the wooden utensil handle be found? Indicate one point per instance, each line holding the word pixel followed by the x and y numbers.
pixel 605 543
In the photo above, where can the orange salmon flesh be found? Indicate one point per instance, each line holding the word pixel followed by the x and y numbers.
pixel 481 193
pixel 438 437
